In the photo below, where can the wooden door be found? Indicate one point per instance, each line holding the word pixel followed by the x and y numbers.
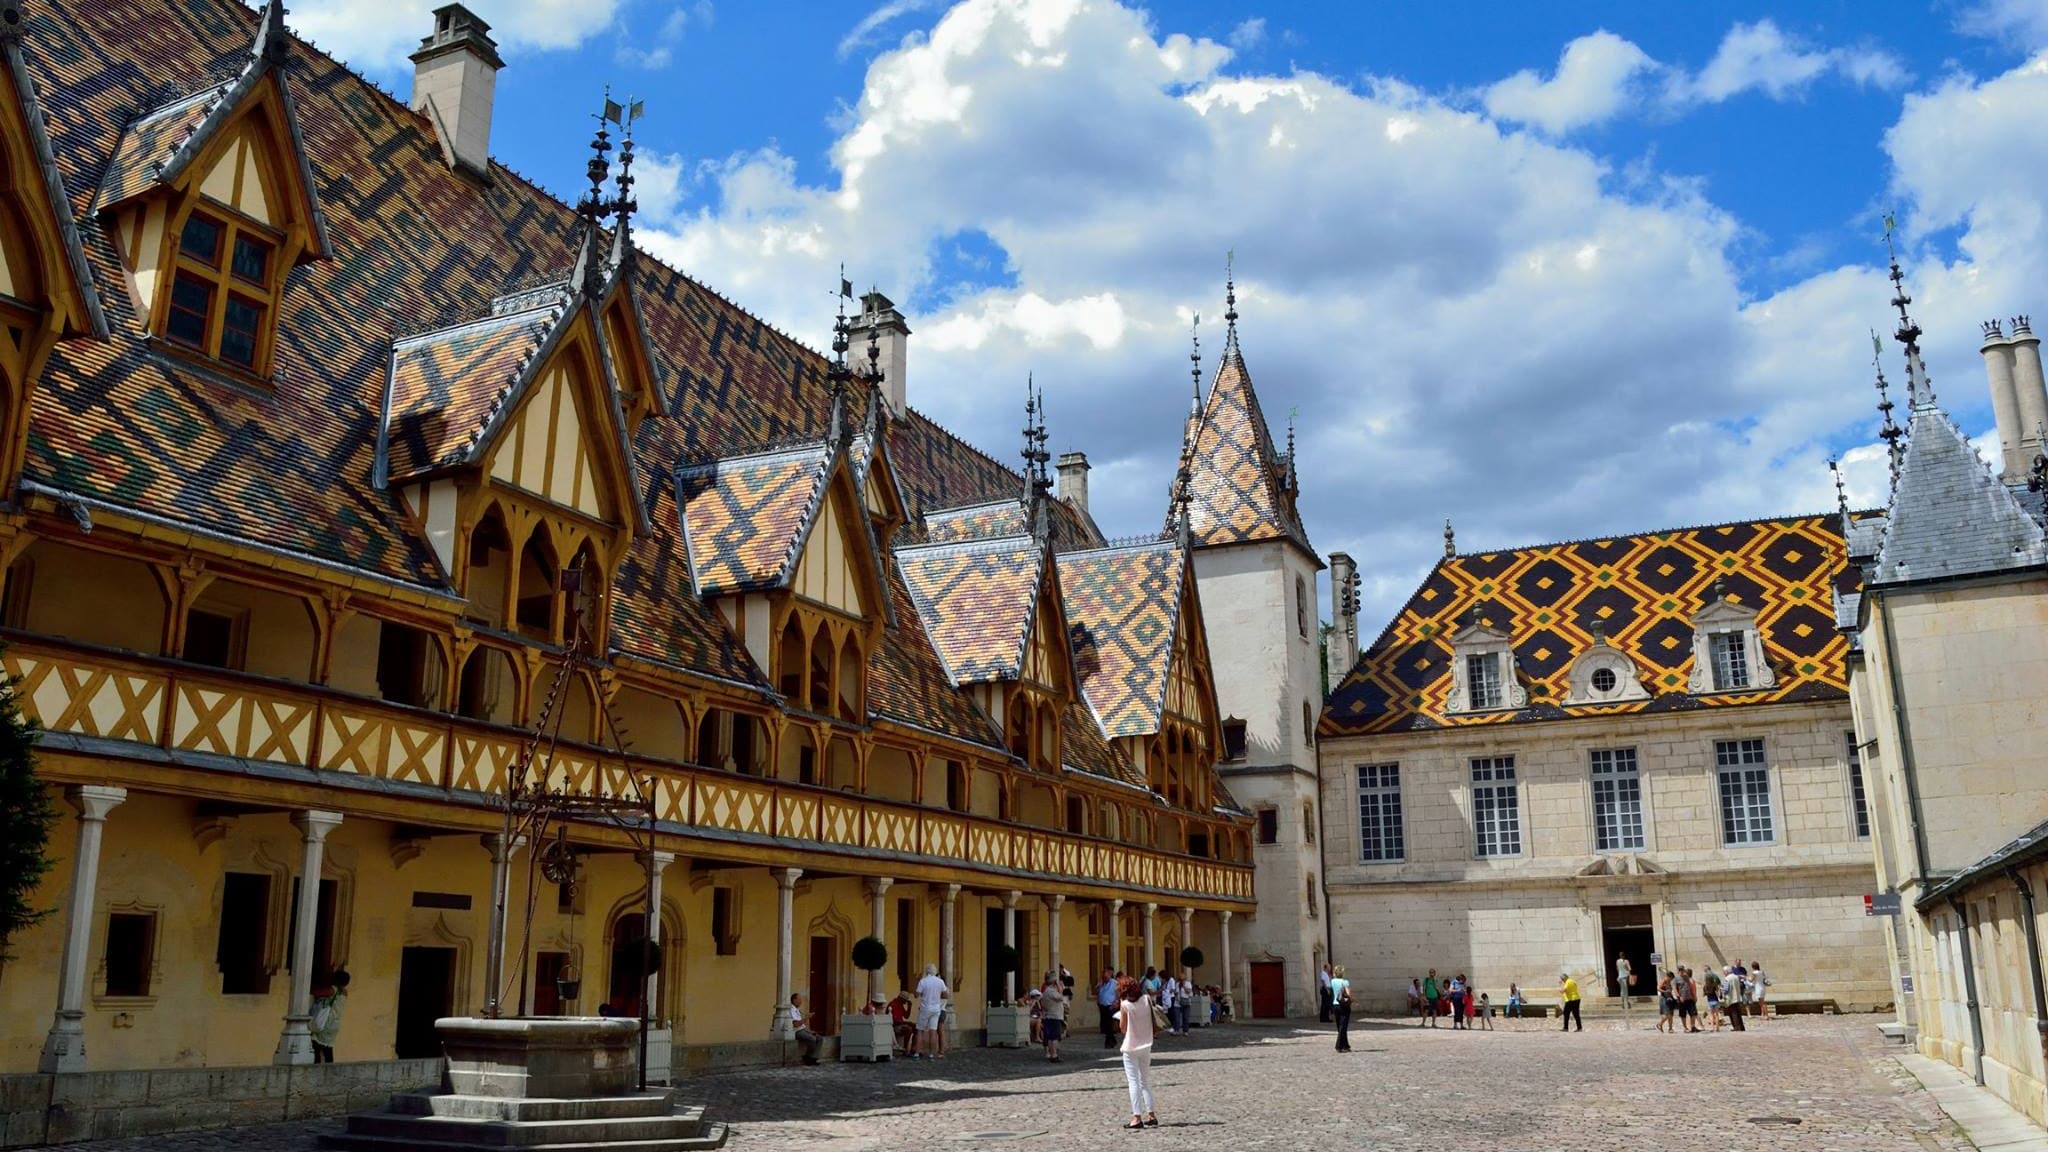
pixel 426 989
pixel 821 1000
pixel 1269 989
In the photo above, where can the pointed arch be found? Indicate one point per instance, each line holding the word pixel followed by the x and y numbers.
pixel 539 567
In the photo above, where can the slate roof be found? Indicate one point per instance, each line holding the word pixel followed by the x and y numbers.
pixel 1239 484
pixel 1643 589
pixel 1123 609
pixel 1949 516
pixel 977 601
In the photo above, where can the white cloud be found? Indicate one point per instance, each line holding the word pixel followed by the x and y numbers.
pixel 657 51
pixel 868 32
pixel 1474 322
pixel 1763 57
pixel 1592 84
pixel 377 35
pixel 1248 34
pixel 658 185
pixel 2022 23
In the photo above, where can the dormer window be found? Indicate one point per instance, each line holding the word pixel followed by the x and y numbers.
pixel 1483 670
pixel 1728 650
pixel 223 290
pixel 1603 675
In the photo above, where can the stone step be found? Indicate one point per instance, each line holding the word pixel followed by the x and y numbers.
pixel 712 1137
pixel 455 1105
pixel 434 1130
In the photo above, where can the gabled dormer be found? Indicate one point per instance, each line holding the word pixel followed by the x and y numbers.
pixel 46 289
pixel 211 202
pixel 1483 673
pixel 1728 650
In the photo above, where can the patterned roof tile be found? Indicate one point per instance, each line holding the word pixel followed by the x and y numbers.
pixel 746 516
pixel 150 142
pixel 1123 607
pixel 1642 590
pixel 907 683
pixel 1238 483
pixel 446 386
pixel 976 602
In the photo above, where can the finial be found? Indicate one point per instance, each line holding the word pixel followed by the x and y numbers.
pixel 837 374
pixel 2037 476
pixel 1293 477
pixel 1841 490
pixel 1599 630
pixel 1195 358
pixel 272 43
pixel 1230 301
pixel 1919 389
pixel 1450 539
pixel 874 348
pixel 1992 330
pixel 1037 481
pixel 1347 598
pixel 622 204
pixel 1720 589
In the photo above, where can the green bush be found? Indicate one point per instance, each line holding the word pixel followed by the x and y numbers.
pixel 1191 957
pixel 869 954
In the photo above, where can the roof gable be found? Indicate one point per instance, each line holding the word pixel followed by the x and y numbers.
pixel 745 518
pixel 28 171
pixel 977 601
pixel 1949 516
pixel 1123 609
pixel 1645 592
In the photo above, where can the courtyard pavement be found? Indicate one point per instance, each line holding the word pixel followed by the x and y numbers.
pixel 1816 1083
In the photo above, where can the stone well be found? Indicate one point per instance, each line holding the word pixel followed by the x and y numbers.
pixel 547 1056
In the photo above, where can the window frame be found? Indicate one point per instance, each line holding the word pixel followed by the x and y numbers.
pixel 1728 648
pixel 1859 789
pixel 1614 778
pixel 1384 789
pixel 1740 746
pixel 1267 832
pixel 1489 832
pixel 221 281
pixel 1483 693
pixel 147 970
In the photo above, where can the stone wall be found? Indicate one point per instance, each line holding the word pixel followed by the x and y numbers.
pixel 2013 1060
pixel 65 1109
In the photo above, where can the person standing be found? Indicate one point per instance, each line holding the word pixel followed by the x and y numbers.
pixel 1688 999
pixel 1167 996
pixel 1415 998
pixel 1568 991
pixel 1430 995
pixel 932 995
pixel 1134 1019
pixel 1324 1003
pixel 1105 1003
pixel 1731 996
pixel 325 1025
pixel 1625 979
pixel 1183 1002
pixel 1761 983
pixel 1710 987
pixel 1667 1002
pixel 1052 999
pixel 1340 1007
pixel 1457 995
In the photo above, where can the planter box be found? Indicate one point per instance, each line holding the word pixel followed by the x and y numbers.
pixel 871 1038
pixel 1009 1027
pixel 661 1045
pixel 1198 1011
pixel 558 1056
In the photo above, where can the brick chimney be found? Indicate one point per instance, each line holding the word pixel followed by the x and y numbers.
pixel 879 315
pixel 454 80
pixel 1073 468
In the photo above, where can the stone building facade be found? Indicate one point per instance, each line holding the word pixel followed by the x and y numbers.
pixel 1633 746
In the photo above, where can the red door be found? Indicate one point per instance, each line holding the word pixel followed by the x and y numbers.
pixel 1269 989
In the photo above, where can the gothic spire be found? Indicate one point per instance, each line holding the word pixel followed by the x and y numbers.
pixel 1919 389
pixel 1450 539
pixel 1230 303
pixel 1195 360
pixel 838 375
pixel 1891 433
pixel 623 205
pixel 1037 481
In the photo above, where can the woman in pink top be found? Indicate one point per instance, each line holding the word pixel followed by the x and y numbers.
pixel 1134 1019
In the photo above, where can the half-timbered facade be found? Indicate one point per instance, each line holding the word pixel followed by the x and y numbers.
pixel 346 475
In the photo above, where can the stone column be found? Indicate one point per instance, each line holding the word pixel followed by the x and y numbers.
pixel 1187 936
pixel 1150 957
pixel 785 933
pixel 64 1050
pixel 1224 927
pixel 501 847
pixel 1053 904
pixel 876 927
pixel 949 896
pixel 1116 935
pixel 651 994
pixel 1010 941
pixel 295 1044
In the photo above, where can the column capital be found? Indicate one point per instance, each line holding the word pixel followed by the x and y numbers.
pixel 314 824
pixel 1116 905
pixel 1010 899
pixel 1151 909
pixel 1056 901
pixel 1226 914
pixel 1186 914
pixel 786 878
pixel 661 859
pixel 877 885
pixel 500 845
pixel 94 801
pixel 951 892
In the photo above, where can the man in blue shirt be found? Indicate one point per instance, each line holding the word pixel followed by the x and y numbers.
pixel 1105 1003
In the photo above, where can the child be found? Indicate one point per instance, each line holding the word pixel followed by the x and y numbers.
pixel 1485 1012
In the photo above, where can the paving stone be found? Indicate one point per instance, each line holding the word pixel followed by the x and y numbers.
pixel 1274 1086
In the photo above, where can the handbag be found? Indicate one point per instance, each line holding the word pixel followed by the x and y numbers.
pixel 1159 1019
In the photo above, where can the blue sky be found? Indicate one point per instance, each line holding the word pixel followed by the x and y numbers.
pixel 1547 270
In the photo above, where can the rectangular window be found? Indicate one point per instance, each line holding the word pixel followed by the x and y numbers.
pixel 244 925
pixel 1482 681
pixel 201 239
pixel 191 303
pixel 1617 801
pixel 210 639
pixel 725 925
pixel 1496 807
pixel 1745 784
pixel 1233 739
pixel 238 329
pixel 252 259
pixel 131 953
pixel 1859 801
pixel 1379 812
pixel 402 664
pixel 1269 826
pixel 1731 660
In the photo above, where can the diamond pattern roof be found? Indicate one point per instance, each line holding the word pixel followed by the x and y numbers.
pixel 1123 606
pixel 446 386
pixel 1238 483
pixel 746 517
pixel 976 601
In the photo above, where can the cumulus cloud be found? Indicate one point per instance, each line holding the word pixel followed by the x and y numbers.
pixel 1762 57
pixel 868 32
pixel 1472 321
pixel 1591 84
pixel 377 35
pixel 1248 34
pixel 657 51
pixel 2021 23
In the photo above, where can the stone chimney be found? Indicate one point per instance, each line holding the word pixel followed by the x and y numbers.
pixel 2005 404
pixel 879 315
pixel 1073 467
pixel 454 79
pixel 2029 391
pixel 1342 652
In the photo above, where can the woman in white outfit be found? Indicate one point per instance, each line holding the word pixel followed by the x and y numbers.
pixel 1134 1019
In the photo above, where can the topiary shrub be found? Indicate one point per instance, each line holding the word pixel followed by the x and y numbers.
pixel 869 954
pixel 1191 957
pixel 26 816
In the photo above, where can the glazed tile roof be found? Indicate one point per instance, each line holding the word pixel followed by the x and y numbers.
pixel 908 684
pixel 18 83
pixel 977 522
pixel 1644 590
pixel 445 387
pixel 1949 516
pixel 746 517
pixel 150 142
pixel 976 601
pixel 1239 484
pixel 1088 750
pixel 656 617
pixel 1123 608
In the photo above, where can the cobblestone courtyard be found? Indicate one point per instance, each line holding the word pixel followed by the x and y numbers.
pixel 1269 1086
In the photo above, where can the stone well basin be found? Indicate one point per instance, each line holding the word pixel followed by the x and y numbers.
pixel 561 1057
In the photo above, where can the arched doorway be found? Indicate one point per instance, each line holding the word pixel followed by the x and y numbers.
pixel 625 941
